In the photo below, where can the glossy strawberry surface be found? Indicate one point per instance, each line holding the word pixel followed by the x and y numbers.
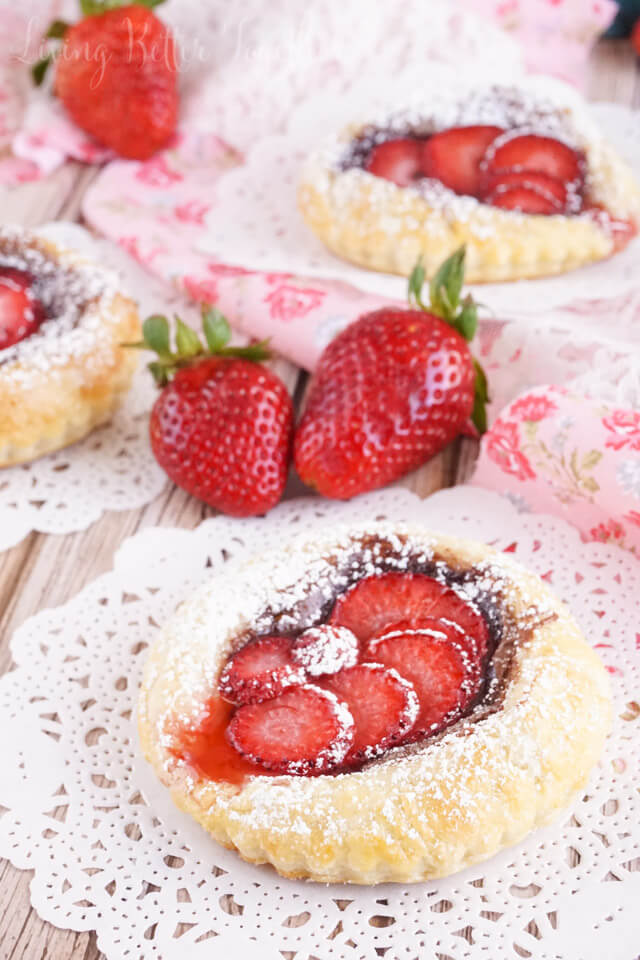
pixel 21 313
pixel 396 160
pixel 453 156
pixel 388 393
pixel 117 78
pixel 539 153
pixel 222 429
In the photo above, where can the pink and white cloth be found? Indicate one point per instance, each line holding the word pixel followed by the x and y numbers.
pixel 553 451
pixel 556 36
pixel 550 449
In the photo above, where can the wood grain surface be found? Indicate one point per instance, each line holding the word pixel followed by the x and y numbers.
pixel 45 570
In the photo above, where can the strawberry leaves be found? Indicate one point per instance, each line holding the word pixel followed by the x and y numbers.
pixel 156 334
pixel 446 286
pixel 91 8
pixel 481 399
pixel 445 290
pixel 216 329
pixel 57 29
pixel 189 348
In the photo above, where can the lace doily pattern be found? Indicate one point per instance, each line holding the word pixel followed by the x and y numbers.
pixel 111 853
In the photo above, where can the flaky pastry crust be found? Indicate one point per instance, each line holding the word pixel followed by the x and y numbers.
pixel 422 812
pixel 69 376
pixel 375 224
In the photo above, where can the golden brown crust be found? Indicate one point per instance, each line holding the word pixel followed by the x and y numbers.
pixel 391 233
pixel 426 813
pixel 48 405
pixel 375 224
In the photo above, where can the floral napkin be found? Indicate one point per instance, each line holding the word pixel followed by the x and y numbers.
pixel 556 36
pixel 556 452
pixel 550 449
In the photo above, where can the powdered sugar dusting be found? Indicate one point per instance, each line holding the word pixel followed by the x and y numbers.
pixel 536 105
pixel 325 649
pixel 295 588
pixel 331 755
pixel 74 292
pixel 260 671
pixel 405 720
pixel 299 589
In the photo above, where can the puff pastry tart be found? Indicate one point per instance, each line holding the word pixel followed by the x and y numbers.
pixel 519 174
pixel 377 705
pixel 62 370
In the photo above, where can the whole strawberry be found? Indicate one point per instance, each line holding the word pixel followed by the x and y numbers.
pixel 116 75
pixel 392 390
pixel 222 425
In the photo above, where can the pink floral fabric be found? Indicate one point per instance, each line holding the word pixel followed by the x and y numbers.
pixel 549 449
pixel 553 451
pixel 156 211
pixel 555 35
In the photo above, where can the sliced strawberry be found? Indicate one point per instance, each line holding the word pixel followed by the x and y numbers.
pixel 378 602
pixel 259 671
pixel 474 646
pixel 533 152
pixel 325 649
pixel 21 313
pixel 305 730
pixel 453 156
pixel 396 160
pixel 450 608
pixel 524 201
pixel 444 677
pixel 383 705
pixel 549 187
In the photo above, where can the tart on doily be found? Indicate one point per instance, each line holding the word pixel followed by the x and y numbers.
pixel 62 368
pixel 378 704
pixel 521 175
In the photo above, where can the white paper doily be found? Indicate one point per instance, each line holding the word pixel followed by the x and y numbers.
pixel 244 67
pixel 113 468
pixel 111 853
pixel 255 221
pixel 259 61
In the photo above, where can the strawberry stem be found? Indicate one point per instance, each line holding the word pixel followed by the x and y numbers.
pixel 188 345
pixel 445 290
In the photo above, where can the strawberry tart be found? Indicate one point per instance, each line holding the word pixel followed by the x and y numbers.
pixel 62 369
pixel 521 175
pixel 380 704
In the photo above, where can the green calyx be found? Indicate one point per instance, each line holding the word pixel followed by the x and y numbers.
pixel 189 348
pixel 89 8
pixel 56 31
pixel 461 313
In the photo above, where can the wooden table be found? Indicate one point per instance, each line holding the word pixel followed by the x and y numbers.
pixel 45 571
